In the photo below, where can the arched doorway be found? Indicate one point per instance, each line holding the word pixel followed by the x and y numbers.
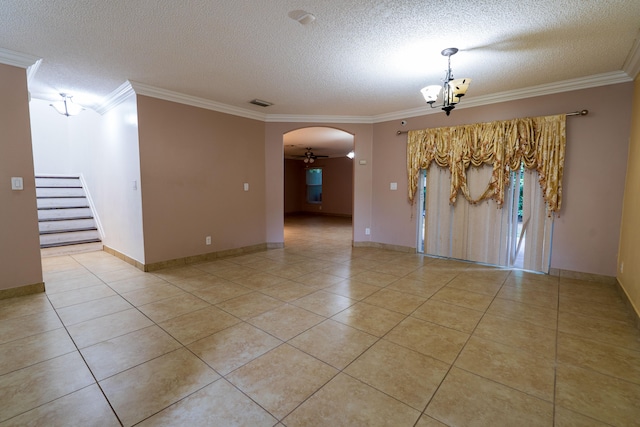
pixel 318 176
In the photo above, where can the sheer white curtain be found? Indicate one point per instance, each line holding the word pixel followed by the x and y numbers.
pixel 438 213
pixel 475 232
pixel 482 232
pixel 537 225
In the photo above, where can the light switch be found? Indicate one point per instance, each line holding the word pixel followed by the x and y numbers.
pixel 16 183
pixel 393 186
pixel 363 162
pixel 246 186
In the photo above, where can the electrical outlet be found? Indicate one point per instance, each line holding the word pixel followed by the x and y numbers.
pixel 207 240
pixel 367 231
pixel 622 267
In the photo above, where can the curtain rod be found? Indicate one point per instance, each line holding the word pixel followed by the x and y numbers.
pixel 574 113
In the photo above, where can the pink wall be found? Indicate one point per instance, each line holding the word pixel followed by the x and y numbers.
pixel 293 186
pixel 586 233
pixel 193 163
pixel 337 186
pixel 19 242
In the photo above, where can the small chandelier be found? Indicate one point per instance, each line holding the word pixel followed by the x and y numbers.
pixel 67 107
pixel 452 89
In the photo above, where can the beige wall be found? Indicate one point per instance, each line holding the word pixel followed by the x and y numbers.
pixel 19 242
pixel 629 276
pixel 337 186
pixel 586 233
pixel 193 163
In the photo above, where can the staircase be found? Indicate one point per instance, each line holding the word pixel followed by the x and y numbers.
pixel 64 215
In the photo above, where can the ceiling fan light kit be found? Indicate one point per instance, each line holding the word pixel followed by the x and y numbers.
pixel 451 90
pixel 309 157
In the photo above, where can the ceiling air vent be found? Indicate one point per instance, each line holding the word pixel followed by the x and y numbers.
pixel 261 103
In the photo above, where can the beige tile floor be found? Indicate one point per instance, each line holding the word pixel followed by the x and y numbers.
pixel 318 333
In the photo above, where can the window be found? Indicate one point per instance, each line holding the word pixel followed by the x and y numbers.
pixel 314 185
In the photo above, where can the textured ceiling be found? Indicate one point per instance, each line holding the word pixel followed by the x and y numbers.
pixel 360 58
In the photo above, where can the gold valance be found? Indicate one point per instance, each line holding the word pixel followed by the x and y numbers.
pixel 537 142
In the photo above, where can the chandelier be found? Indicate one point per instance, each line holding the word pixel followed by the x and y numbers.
pixel 67 107
pixel 452 89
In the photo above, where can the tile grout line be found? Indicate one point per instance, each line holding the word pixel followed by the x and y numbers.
pixel 339 371
pixel 555 364
pixel 182 346
pixel 460 351
pixel 88 368
pixel 80 353
pixel 380 338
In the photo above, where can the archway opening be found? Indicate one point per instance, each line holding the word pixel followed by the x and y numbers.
pixel 318 181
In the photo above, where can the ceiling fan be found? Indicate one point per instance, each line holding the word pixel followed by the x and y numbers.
pixel 309 157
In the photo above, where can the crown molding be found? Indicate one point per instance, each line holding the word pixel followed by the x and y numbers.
pixel 405 114
pixel 129 87
pixel 292 118
pixel 115 98
pixel 604 79
pixel 32 70
pixel 18 59
pixel 167 95
pixel 22 60
pixel 632 64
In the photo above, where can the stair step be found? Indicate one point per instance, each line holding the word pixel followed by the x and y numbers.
pixel 57 181
pixel 66 225
pixel 74 249
pixel 63 202
pixel 64 214
pixel 59 239
pixel 44 192
pixel 68 218
pixel 81 242
pixel 69 230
